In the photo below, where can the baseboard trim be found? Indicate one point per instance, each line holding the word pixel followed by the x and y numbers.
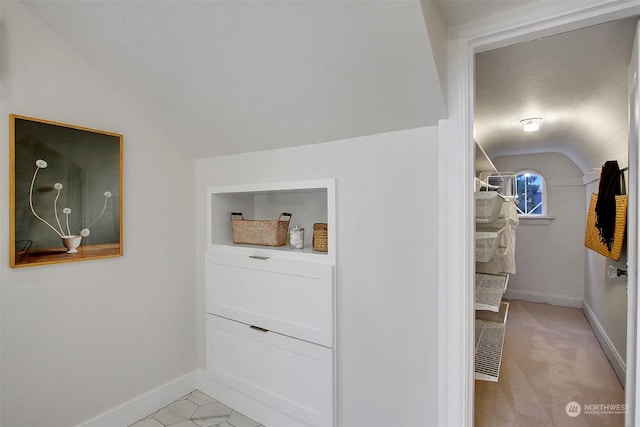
pixel 553 299
pixel 145 404
pixel 617 362
pixel 249 406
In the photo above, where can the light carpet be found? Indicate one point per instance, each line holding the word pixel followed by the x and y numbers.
pixel 551 358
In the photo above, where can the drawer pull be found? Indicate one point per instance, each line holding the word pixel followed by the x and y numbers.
pixel 258 257
pixel 258 328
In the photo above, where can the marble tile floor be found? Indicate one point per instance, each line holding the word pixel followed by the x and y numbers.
pixel 196 410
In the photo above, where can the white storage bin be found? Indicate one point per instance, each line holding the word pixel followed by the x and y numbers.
pixel 498 316
pixel 488 204
pixel 487 242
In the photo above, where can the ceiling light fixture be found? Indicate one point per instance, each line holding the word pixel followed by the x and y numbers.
pixel 531 124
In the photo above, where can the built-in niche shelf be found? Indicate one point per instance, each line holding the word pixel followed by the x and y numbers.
pixel 309 202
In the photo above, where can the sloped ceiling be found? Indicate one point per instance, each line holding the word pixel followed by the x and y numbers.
pixel 576 81
pixel 230 76
pixel 460 12
pixel 224 77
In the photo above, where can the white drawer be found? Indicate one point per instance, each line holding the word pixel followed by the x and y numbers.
pixel 294 298
pixel 287 375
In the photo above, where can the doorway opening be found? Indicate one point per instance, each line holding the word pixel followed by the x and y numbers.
pixel 544 366
pixel 456 338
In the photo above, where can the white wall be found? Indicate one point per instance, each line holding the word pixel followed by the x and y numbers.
pixel 386 264
pixel 605 301
pixel 550 258
pixel 81 338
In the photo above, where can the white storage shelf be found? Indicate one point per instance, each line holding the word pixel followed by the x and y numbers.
pixel 489 342
pixel 489 289
pixel 309 202
pixel 491 311
pixel 489 339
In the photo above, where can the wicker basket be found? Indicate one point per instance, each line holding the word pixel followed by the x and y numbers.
pixel 592 235
pixel 260 232
pixel 320 239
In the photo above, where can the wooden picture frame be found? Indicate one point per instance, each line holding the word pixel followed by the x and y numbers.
pixel 66 192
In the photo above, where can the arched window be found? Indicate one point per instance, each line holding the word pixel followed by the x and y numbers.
pixel 531 190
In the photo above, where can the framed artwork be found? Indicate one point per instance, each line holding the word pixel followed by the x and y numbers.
pixel 66 193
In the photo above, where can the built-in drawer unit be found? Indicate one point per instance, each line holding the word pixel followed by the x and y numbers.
pixel 270 311
pixel 293 298
pixel 292 376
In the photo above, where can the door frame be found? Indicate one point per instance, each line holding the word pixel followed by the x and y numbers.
pixel 631 380
pixel 455 196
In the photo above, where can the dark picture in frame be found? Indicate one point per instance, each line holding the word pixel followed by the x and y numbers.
pixel 66 192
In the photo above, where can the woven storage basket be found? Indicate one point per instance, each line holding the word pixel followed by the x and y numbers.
pixel 320 238
pixel 592 235
pixel 260 232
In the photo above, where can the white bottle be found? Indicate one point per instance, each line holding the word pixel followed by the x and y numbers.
pixel 296 238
